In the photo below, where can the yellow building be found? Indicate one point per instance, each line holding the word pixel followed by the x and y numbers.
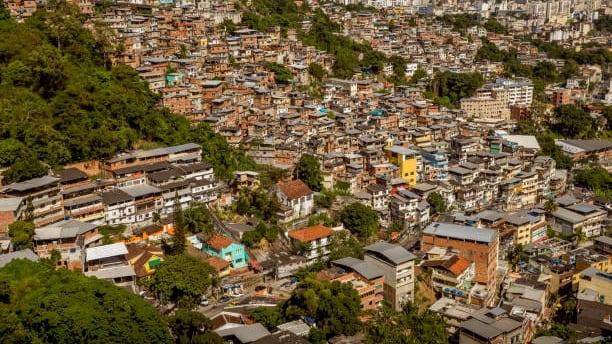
pixel 406 160
pixel 521 227
pixel 596 283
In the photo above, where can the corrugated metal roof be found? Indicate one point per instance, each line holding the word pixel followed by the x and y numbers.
pixel 106 251
pixel 393 253
pixel 461 232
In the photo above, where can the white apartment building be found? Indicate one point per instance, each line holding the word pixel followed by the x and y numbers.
pixel 119 207
pixel 520 90
pixel 397 265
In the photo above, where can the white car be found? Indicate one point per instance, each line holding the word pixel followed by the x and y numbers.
pixel 203 301
pixel 236 295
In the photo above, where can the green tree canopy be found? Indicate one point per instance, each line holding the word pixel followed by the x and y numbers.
pixel 181 276
pixel 437 203
pixel 197 219
pixel 259 203
pixel 325 199
pixel 408 326
pixel 262 230
pixel 190 327
pixel 595 178
pixel 333 305
pixel 282 74
pixel 456 85
pixel 309 171
pixel 418 75
pixel 489 51
pixel 562 331
pixel 316 71
pixel 270 317
pixel 360 219
pixel 40 304
pixel 492 25
pixel 344 244
pixel 21 233
pixel 62 101
pixel 546 71
pixel 549 148
pixel 572 122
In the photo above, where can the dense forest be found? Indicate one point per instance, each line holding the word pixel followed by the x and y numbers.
pixel 39 304
pixel 63 101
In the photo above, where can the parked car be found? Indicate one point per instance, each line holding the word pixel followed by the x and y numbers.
pixel 237 294
pixel 204 301
pixel 234 303
pixel 224 299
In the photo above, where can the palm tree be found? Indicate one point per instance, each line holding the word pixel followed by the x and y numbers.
pixel 579 235
pixel 550 207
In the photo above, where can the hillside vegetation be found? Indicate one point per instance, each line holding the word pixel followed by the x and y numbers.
pixel 62 101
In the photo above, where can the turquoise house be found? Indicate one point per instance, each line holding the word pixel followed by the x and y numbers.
pixel 228 250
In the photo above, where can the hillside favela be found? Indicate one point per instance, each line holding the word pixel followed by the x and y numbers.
pixel 306 171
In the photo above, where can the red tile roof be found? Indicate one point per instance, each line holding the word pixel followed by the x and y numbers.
pixel 459 265
pixel 455 264
pixel 311 233
pixel 294 189
pixel 219 242
pixel 217 263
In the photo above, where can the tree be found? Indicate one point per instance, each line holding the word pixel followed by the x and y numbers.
pixel 526 127
pixel 360 219
pixel 178 242
pixel 406 327
pixel 262 230
pixel 546 71
pixel 549 148
pixel 181 277
pixel 227 25
pixel 564 332
pixel 437 203
pixel 516 255
pixel 603 24
pixel 270 317
pixel 325 199
pixel 207 338
pixel 40 304
pixel 399 69
pixel 322 219
pixel 282 74
pixel 21 233
pixel 494 26
pixel 316 71
pixel 490 52
pixel 594 178
pixel 578 236
pixel 550 206
pixel 335 306
pixel 197 219
pixel 63 101
pixel 456 86
pixel 24 168
pixel 187 324
pixel 28 213
pixel 308 170
pixel 11 150
pixel 572 122
pixel 418 75
pixel 344 244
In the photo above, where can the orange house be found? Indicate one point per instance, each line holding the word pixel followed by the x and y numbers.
pixel 154 232
pixel 365 277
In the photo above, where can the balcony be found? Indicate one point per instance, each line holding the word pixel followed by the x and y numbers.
pixel 86 210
